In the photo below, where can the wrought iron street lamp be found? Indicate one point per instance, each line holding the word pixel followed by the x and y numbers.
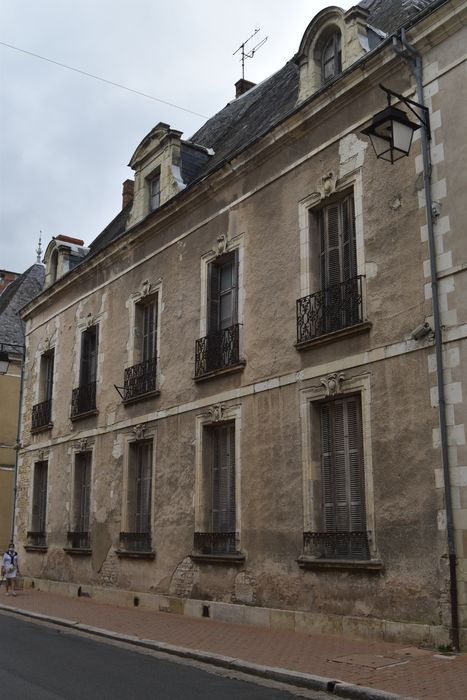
pixel 4 362
pixel 391 131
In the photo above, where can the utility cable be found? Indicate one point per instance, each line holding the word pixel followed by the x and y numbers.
pixel 103 80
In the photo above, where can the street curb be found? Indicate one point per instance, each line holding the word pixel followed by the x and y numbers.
pixel 301 680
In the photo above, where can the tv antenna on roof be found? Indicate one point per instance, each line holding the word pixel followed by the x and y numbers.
pixel 251 53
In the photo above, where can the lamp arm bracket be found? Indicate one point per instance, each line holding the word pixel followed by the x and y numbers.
pixel 424 117
pixel 119 390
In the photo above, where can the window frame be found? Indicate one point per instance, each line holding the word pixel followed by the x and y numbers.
pixel 39 496
pixel 311 398
pixel 333 40
pixel 82 462
pixel 154 197
pixel 228 415
pixel 144 436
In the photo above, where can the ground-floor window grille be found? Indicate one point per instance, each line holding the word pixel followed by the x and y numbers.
pixel 343 531
pixel 138 520
pixel 37 534
pixel 219 492
pixel 81 500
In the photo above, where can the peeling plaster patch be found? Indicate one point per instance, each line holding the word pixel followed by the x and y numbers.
pixel 441 520
pixel 117 449
pixel 351 154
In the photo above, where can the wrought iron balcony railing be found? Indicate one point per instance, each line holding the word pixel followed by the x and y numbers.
pixel 41 415
pixel 135 541
pixel 336 545
pixel 331 309
pixel 37 538
pixel 217 350
pixel 79 540
pixel 83 399
pixel 139 379
pixel 215 543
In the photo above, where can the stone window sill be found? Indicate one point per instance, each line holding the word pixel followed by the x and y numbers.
pixel 132 554
pixel 79 551
pixel 238 367
pixel 42 428
pixel 229 559
pixel 335 335
pixel 86 414
pixel 35 548
pixel 348 564
pixel 141 397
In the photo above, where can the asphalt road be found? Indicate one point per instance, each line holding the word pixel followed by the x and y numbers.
pixel 43 662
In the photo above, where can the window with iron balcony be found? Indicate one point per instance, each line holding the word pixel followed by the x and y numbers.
pixel 83 398
pixel 140 380
pixel 338 303
pixel 219 350
pixel 42 411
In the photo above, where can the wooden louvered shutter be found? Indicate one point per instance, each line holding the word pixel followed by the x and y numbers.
pixel 143 488
pixel 39 501
pixel 342 466
pixel 330 246
pixel 49 374
pixel 349 251
pixel 223 479
pixel 88 370
pixel 213 297
pixel 149 330
pixel 85 495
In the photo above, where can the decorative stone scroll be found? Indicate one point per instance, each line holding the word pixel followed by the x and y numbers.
pixel 333 383
pixel 145 289
pixel 217 412
pixel 222 245
pixel 139 431
pixel 81 445
pixel 327 185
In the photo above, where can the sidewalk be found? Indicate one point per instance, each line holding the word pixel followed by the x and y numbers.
pixel 407 671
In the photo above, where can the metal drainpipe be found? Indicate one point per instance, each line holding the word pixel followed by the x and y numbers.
pixel 412 56
pixel 18 444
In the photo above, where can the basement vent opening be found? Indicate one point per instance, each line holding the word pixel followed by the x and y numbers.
pixel 206 611
pixel 136 601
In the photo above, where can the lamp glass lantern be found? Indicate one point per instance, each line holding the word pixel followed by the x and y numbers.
pixel 4 362
pixel 391 133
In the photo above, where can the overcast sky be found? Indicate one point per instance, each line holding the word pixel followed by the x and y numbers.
pixel 66 139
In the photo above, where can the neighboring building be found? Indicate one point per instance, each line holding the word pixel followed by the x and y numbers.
pixel 6 278
pixel 19 291
pixel 226 402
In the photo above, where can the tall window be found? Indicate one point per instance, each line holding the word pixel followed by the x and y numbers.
pixel 37 535
pixel 82 492
pixel 221 347
pixel 42 411
pixel 342 480
pixel 140 378
pixel 47 375
pixel 331 62
pixel 88 367
pixel 338 254
pixel 219 502
pixel 83 398
pixel 139 488
pixel 146 328
pixel 222 292
pixel 154 193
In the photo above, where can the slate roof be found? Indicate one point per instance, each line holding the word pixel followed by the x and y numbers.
pixel 253 114
pixel 16 295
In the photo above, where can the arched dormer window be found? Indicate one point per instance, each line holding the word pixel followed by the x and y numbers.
pixel 331 60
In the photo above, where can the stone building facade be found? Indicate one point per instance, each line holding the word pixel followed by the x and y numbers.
pixel 242 418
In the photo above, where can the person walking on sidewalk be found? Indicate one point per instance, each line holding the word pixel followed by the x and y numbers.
pixel 10 568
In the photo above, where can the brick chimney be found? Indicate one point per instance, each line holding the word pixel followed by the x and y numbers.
pixel 242 86
pixel 127 193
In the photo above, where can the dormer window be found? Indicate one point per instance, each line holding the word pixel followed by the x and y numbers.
pixel 155 192
pixel 331 62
